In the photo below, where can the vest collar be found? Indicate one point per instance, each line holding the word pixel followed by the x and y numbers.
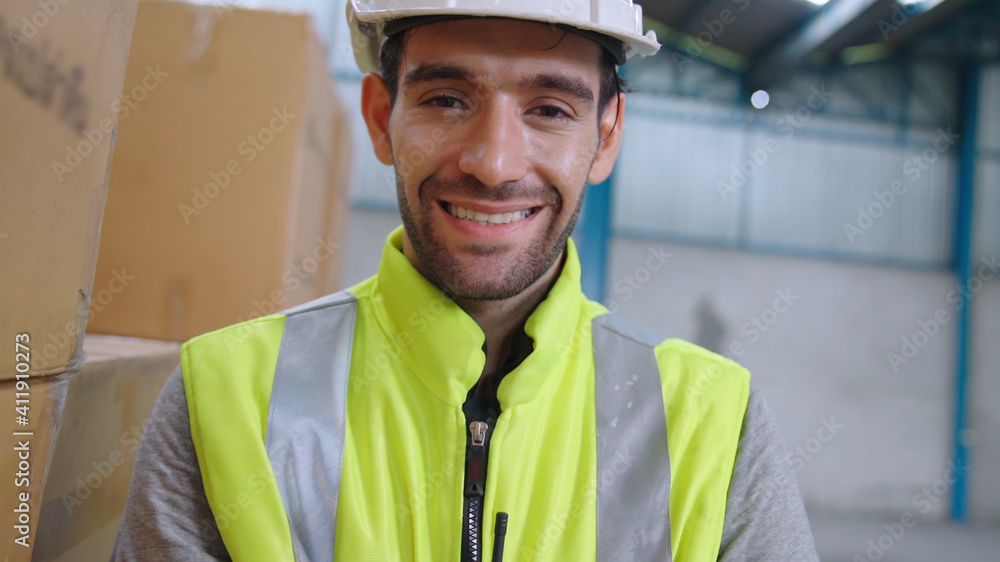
pixel 443 346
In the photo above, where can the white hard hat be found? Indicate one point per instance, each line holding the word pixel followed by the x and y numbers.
pixel 597 19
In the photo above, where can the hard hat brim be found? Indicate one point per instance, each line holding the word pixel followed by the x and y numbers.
pixel 614 46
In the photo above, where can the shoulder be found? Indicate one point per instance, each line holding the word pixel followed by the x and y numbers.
pixel 685 358
pixel 695 381
pixel 702 386
pixel 674 355
pixel 264 330
pixel 334 300
pixel 234 337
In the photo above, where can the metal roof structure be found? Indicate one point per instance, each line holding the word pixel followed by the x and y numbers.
pixel 770 39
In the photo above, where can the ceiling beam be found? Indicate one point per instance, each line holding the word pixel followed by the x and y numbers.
pixel 942 15
pixel 690 16
pixel 826 25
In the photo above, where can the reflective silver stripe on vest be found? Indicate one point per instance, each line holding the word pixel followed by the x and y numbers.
pixel 307 418
pixel 633 464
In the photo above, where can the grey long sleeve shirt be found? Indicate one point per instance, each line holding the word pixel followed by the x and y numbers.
pixel 167 515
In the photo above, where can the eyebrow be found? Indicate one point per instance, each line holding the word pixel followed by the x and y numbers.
pixel 433 72
pixel 571 85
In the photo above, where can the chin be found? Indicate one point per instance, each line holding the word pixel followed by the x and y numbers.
pixel 490 286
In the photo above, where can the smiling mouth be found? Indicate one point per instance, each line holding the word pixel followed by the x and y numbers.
pixel 485 219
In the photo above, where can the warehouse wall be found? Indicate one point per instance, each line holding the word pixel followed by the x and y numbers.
pixel 828 356
pixel 788 180
pixel 816 336
pixel 984 376
pixel 984 390
pixel 831 185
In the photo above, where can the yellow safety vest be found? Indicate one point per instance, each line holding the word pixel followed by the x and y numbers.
pixel 340 422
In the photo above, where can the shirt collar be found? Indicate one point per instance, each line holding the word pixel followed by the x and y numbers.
pixel 443 346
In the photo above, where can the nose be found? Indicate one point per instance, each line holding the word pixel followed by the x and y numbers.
pixel 495 151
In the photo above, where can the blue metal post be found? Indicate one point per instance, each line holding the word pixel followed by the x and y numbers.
pixel 592 236
pixel 962 252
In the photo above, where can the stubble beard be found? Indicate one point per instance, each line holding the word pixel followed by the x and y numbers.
pixel 507 275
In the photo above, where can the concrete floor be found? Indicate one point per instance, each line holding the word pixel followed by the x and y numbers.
pixel 846 539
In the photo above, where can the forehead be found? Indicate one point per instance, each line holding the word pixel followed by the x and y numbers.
pixel 494 47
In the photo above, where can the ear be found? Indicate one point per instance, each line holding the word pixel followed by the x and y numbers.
pixel 610 129
pixel 376 108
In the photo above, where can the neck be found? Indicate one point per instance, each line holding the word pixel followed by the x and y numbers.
pixel 501 320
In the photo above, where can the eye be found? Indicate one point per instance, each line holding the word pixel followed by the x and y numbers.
pixel 551 112
pixel 444 102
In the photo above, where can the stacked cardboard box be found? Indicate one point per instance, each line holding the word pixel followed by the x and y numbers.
pixel 228 191
pixel 229 201
pixel 63 66
pixel 82 450
pixel 27 452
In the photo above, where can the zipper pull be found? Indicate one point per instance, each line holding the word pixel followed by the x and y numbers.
pixel 478 431
pixel 475 478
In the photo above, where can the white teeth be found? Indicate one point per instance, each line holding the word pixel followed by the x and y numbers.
pixel 484 219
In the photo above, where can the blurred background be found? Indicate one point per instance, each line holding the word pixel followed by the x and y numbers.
pixel 811 188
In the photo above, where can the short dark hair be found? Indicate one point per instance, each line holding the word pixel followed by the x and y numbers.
pixel 392 56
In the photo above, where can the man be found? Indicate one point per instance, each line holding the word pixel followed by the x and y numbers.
pixel 470 378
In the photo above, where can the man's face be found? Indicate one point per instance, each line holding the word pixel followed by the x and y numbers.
pixel 493 136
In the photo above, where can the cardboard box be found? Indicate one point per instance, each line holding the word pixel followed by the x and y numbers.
pixel 26 456
pixel 63 69
pixel 228 188
pixel 86 428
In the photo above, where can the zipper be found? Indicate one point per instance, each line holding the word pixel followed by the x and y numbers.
pixel 475 488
